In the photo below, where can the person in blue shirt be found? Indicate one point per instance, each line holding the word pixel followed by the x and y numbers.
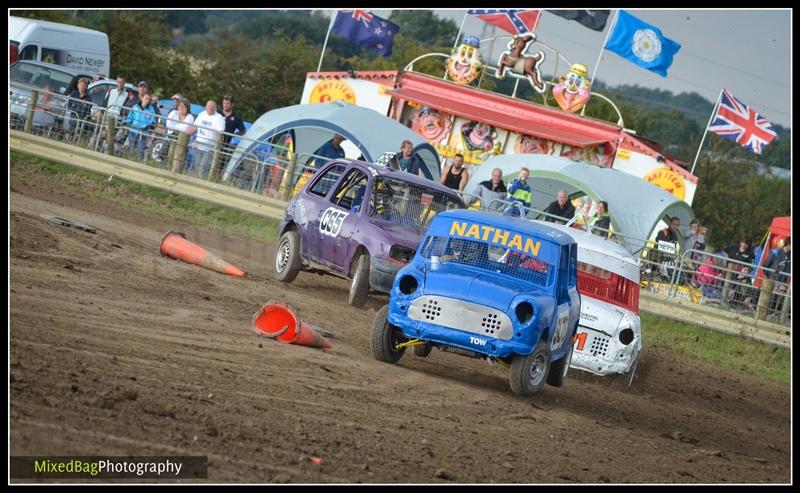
pixel 331 149
pixel 519 191
pixel 141 118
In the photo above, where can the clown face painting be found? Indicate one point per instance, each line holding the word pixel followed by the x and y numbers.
pixel 431 125
pixel 465 63
pixel 572 91
pixel 478 136
pixel 528 144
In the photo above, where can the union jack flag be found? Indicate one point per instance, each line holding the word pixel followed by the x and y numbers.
pixel 737 121
pixel 510 20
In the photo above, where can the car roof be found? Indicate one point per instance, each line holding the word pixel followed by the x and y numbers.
pixel 379 170
pixel 521 225
pixel 602 252
pixel 53 66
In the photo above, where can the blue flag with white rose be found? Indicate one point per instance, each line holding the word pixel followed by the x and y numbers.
pixel 642 44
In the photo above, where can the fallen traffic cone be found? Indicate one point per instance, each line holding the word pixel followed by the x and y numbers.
pixel 175 245
pixel 279 322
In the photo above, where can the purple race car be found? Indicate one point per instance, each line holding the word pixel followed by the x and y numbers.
pixel 359 221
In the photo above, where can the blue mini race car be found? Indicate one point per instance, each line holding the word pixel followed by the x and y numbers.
pixel 487 286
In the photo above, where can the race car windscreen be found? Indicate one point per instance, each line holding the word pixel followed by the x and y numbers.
pixel 401 202
pixel 490 258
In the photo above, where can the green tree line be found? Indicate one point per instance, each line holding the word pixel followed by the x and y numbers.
pixel 262 57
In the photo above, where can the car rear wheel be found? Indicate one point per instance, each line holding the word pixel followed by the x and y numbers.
pixel 287 257
pixel 385 338
pixel 359 288
pixel 558 370
pixel 528 373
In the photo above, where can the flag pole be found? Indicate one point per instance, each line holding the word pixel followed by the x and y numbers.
pixel 603 46
pixel 325 44
pixel 600 55
pixel 455 43
pixel 713 113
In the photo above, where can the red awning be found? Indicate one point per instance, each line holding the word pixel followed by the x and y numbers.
pixel 781 226
pixel 504 112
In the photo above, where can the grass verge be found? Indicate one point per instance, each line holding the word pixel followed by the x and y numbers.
pixel 142 197
pixel 725 350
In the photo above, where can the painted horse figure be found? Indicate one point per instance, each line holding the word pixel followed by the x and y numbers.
pixel 519 63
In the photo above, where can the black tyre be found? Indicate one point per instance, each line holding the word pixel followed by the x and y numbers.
pixel 422 351
pixel 529 373
pixel 385 338
pixel 559 369
pixel 359 288
pixel 287 257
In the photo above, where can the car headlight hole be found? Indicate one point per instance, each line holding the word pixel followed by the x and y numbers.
pixel 408 284
pixel 626 336
pixel 524 312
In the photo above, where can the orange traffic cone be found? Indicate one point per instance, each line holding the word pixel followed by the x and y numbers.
pixel 279 322
pixel 175 245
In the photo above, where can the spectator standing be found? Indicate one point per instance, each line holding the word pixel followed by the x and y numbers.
pixel 144 88
pixel 233 125
pixel 43 117
pixel 455 176
pixel 670 234
pixel 331 149
pixel 520 192
pixel 80 102
pixel 407 160
pixel 601 220
pixel 140 119
pixel 208 126
pixel 115 100
pixel 781 263
pixel 491 190
pixel 561 207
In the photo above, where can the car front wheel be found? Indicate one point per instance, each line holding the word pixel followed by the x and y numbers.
pixel 287 257
pixel 385 338
pixel 529 373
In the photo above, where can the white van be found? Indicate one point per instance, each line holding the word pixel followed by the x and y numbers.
pixel 75 47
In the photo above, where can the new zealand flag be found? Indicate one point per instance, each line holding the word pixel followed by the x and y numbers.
pixel 366 29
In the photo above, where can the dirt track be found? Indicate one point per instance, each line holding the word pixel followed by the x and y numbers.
pixel 118 351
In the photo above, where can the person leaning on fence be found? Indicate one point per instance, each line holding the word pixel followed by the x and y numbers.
pixel 208 126
pixel 781 264
pixel 140 119
pixel 560 207
pixel 179 120
pixel 601 221
pixel 491 193
pixel 520 193
pixel 331 149
pixel 741 252
pixel 407 160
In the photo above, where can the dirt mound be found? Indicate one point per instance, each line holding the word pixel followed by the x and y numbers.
pixel 130 353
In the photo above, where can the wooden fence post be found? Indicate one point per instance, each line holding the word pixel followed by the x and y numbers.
pixel 111 134
pixel 179 156
pixel 26 127
pixel 764 298
pixel 215 158
pixel 287 189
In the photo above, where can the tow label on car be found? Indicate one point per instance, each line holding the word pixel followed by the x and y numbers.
pixel 331 222
pixel 477 340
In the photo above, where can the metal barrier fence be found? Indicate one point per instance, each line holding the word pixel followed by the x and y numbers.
pixel 274 170
pixel 154 140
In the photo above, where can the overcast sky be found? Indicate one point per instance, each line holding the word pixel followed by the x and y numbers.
pixel 746 51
